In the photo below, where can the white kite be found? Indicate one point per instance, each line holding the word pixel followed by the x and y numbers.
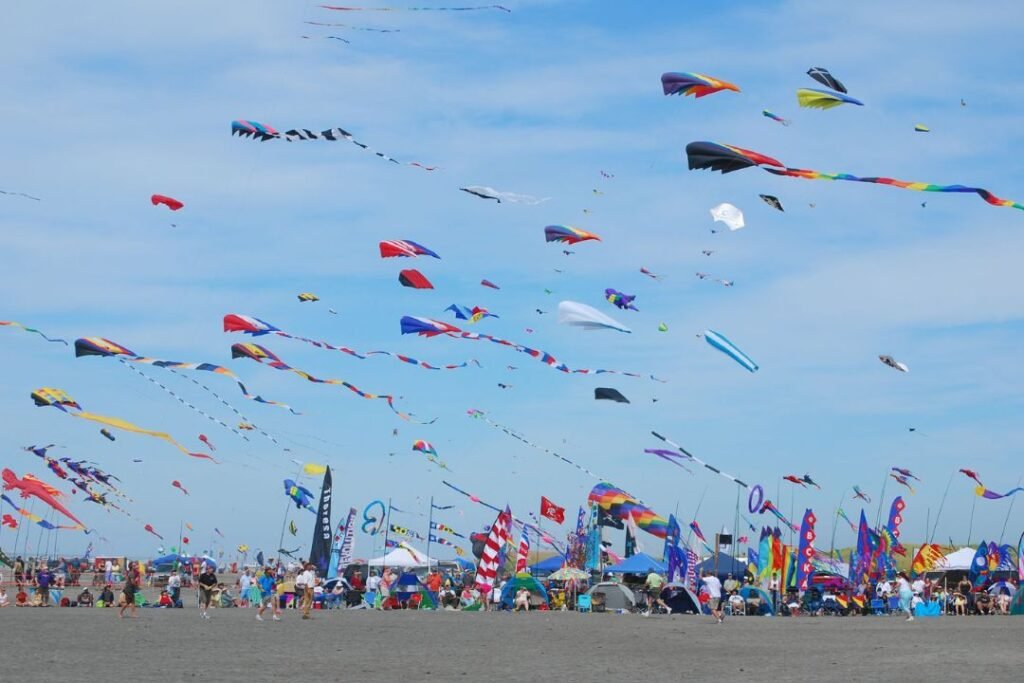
pixel 894 364
pixel 728 214
pixel 581 315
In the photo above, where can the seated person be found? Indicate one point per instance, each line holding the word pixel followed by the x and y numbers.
pixel 334 598
pixel 598 600
pixel 165 600
pixel 21 599
pixel 1002 603
pixel 107 596
pixel 468 597
pixel 225 598
pixel 737 605
pixel 959 603
pixel 522 601
pixel 4 600
pixel 793 604
pixel 557 600
pixel 85 598
pixel 36 600
pixel 448 597
pixel 983 602
pixel 754 605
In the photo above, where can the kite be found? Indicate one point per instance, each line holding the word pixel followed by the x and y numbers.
pixel 472 315
pixel 695 528
pixel 721 343
pixel 256 327
pixel 373 524
pixel 842 513
pixel 543 536
pixel 305 297
pixel 414 279
pixel 768 506
pixel 177 484
pixel 488 283
pixel 726 158
pixel 772 201
pixel 920 128
pixel 267 357
pixel 30 486
pixel 170 202
pixel 10 522
pixel 826 79
pixel 344 40
pixel 650 274
pixel 49 397
pixel 697 460
pixel 902 480
pixel 894 364
pixel 416 9
pixel 807 480
pixel 354 28
pixel 906 473
pixel 512 197
pixel 983 492
pixel 707 276
pixel 149 528
pixel 605 394
pixel 857 493
pixel 698 85
pixel 300 495
pixel 424 447
pixel 293 529
pixel 567 234
pixel 792 478
pixel 261 132
pixel 106 432
pixel 425 327
pixel 36 519
pixel 204 439
pixel 11 323
pixel 20 194
pixel 662 327
pixel 774 117
pixel 581 315
pixel 620 505
pixel 728 214
pixel 673 457
pixel 972 474
pixel 620 300
pixel 404 248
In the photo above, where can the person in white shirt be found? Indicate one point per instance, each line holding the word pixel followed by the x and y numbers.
pixel 4 600
pixel 714 587
pixel 372 582
pixel 307 580
pixel 244 581
pixel 883 589
pixel 108 571
pixel 174 587
pixel 918 586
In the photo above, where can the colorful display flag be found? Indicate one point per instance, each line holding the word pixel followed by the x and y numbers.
pixel 553 512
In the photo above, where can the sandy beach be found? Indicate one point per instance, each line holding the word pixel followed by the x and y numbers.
pixel 176 645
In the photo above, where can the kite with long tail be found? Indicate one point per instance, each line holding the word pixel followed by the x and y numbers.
pixel 259 131
pixel 30 486
pixel 473 8
pixel 256 327
pixel 425 327
pixel 769 506
pixel 267 357
pixel 727 158
pixel 697 460
pixel 11 323
pixel 47 396
pixel 36 519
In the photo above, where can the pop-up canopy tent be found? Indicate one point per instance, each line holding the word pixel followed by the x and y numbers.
pixel 727 564
pixel 551 564
pixel 641 563
pixel 409 585
pixel 401 558
pixel 960 559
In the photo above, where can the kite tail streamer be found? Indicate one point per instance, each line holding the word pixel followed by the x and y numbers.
pixel 983 492
pixel 11 323
pixel 770 507
pixel 242 417
pixel 337 8
pixel 180 400
pixel 697 460
pixel 118 423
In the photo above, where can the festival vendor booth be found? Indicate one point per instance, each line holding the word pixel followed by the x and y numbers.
pixel 538 596
pixel 403 558
pixel 681 599
pixel 723 564
pixel 640 564
pixel 610 596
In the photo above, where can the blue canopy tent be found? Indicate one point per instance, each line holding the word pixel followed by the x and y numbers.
pixel 552 564
pixel 641 563
pixel 727 564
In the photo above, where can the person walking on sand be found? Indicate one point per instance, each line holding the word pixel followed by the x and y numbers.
pixel 207 583
pixel 906 594
pixel 714 587
pixel 130 587
pixel 268 595
pixel 307 579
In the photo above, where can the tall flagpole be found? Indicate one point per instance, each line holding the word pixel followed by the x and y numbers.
pixel 941 504
pixel 387 530
pixel 1008 511
pixel 970 526
pixel 430 528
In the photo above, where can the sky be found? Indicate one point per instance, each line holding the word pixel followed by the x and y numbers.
pixel 108 106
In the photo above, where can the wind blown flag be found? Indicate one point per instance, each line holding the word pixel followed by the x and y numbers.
pixel 805 550
pixel 926 558
pixel 553 512
pixel 633 532
pixel 487 569
pixel 697 532
pixel 344 543
pixel 978 573
pixel 320 552
pixel 523 553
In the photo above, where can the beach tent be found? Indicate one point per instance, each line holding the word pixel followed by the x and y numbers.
pixel 961 559
pixel 551 564
pixel 748 592
pixel 680 598
pixel 400 558
pixel 463 564
pixel 1017 604
pixel 521 580
pixel 727 564
pixel 641 563
pixel 616 595
pixel 1002 587
pixel 409 585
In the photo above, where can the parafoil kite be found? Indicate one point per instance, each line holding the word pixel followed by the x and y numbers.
pixel 49 397
pixel 620 300
pixel 728 214
pixel 606 394
pixel 621 505
pixel 414 279
pixel 727 158
pixel 567 234
pixel 774 117
pixel 30 486
pixel 512 197
pixel 812 98
pixel 300 495
pixel 427 449
pixel 472 315
pixel 256 328
pixel 772 201
pixel 405 248
pixel 698 85
pixel 170 202
pixel 589 318
pixel 308 297
pixel 19 326
pixel 266 357
pixel 722 343
pixel 921 128
pixel 261 132
pixel 826 79
pixel 894 364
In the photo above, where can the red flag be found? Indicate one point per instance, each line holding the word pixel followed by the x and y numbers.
pixel 551 511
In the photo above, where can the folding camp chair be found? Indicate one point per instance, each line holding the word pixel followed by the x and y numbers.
pixel 583 603
pixel 877 607
pixel 894 605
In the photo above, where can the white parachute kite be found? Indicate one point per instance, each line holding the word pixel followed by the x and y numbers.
pixel 581 315
pixel 728 214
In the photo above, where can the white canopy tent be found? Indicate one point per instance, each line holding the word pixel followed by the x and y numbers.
pixel 401 558
pixel 961 559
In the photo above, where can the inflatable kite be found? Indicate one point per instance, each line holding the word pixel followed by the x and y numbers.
pixel 488 283
pixel 857 493
pixel 774 117
pixel 620 505
pixel 567 234
pixel 921 128
pixel 826 79
pixel 650 274
pixel 414 279
pixel 30 486
pixel 620 300
pixel 728 214
pixel 720 342
pixel 726 158
pixel 812 98
pixel 406 248
pixel 471 315
pixel 308 297
pixel 300 495
pixel 170 202
pixel 698 85
pixel 894 364
pixel 177 484
pixel 606 394
pixel 576 314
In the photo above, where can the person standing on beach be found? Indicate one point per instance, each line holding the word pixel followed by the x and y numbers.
pixel 906 594
pixel 19 572
pixel 174 586
pixel 207 582
pixel 268 595
pixel 714 587
pixel 130 588
pixel 108 572
pixel 307 579
pixel 42 582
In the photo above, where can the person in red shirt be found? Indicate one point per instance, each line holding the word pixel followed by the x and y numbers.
pixel 433 582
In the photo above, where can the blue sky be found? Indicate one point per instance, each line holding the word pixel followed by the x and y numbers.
pixel 109 106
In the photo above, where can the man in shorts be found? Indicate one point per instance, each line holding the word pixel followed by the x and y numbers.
pixel 652 586
pixel 307 581
pixel 268 595
pixel 714 587
pixel 207 584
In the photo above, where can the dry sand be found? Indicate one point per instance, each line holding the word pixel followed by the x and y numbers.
pixel 43 645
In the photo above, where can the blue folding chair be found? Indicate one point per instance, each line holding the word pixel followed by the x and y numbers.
pixel 583 603
pixel 894 605
pixel 877 607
